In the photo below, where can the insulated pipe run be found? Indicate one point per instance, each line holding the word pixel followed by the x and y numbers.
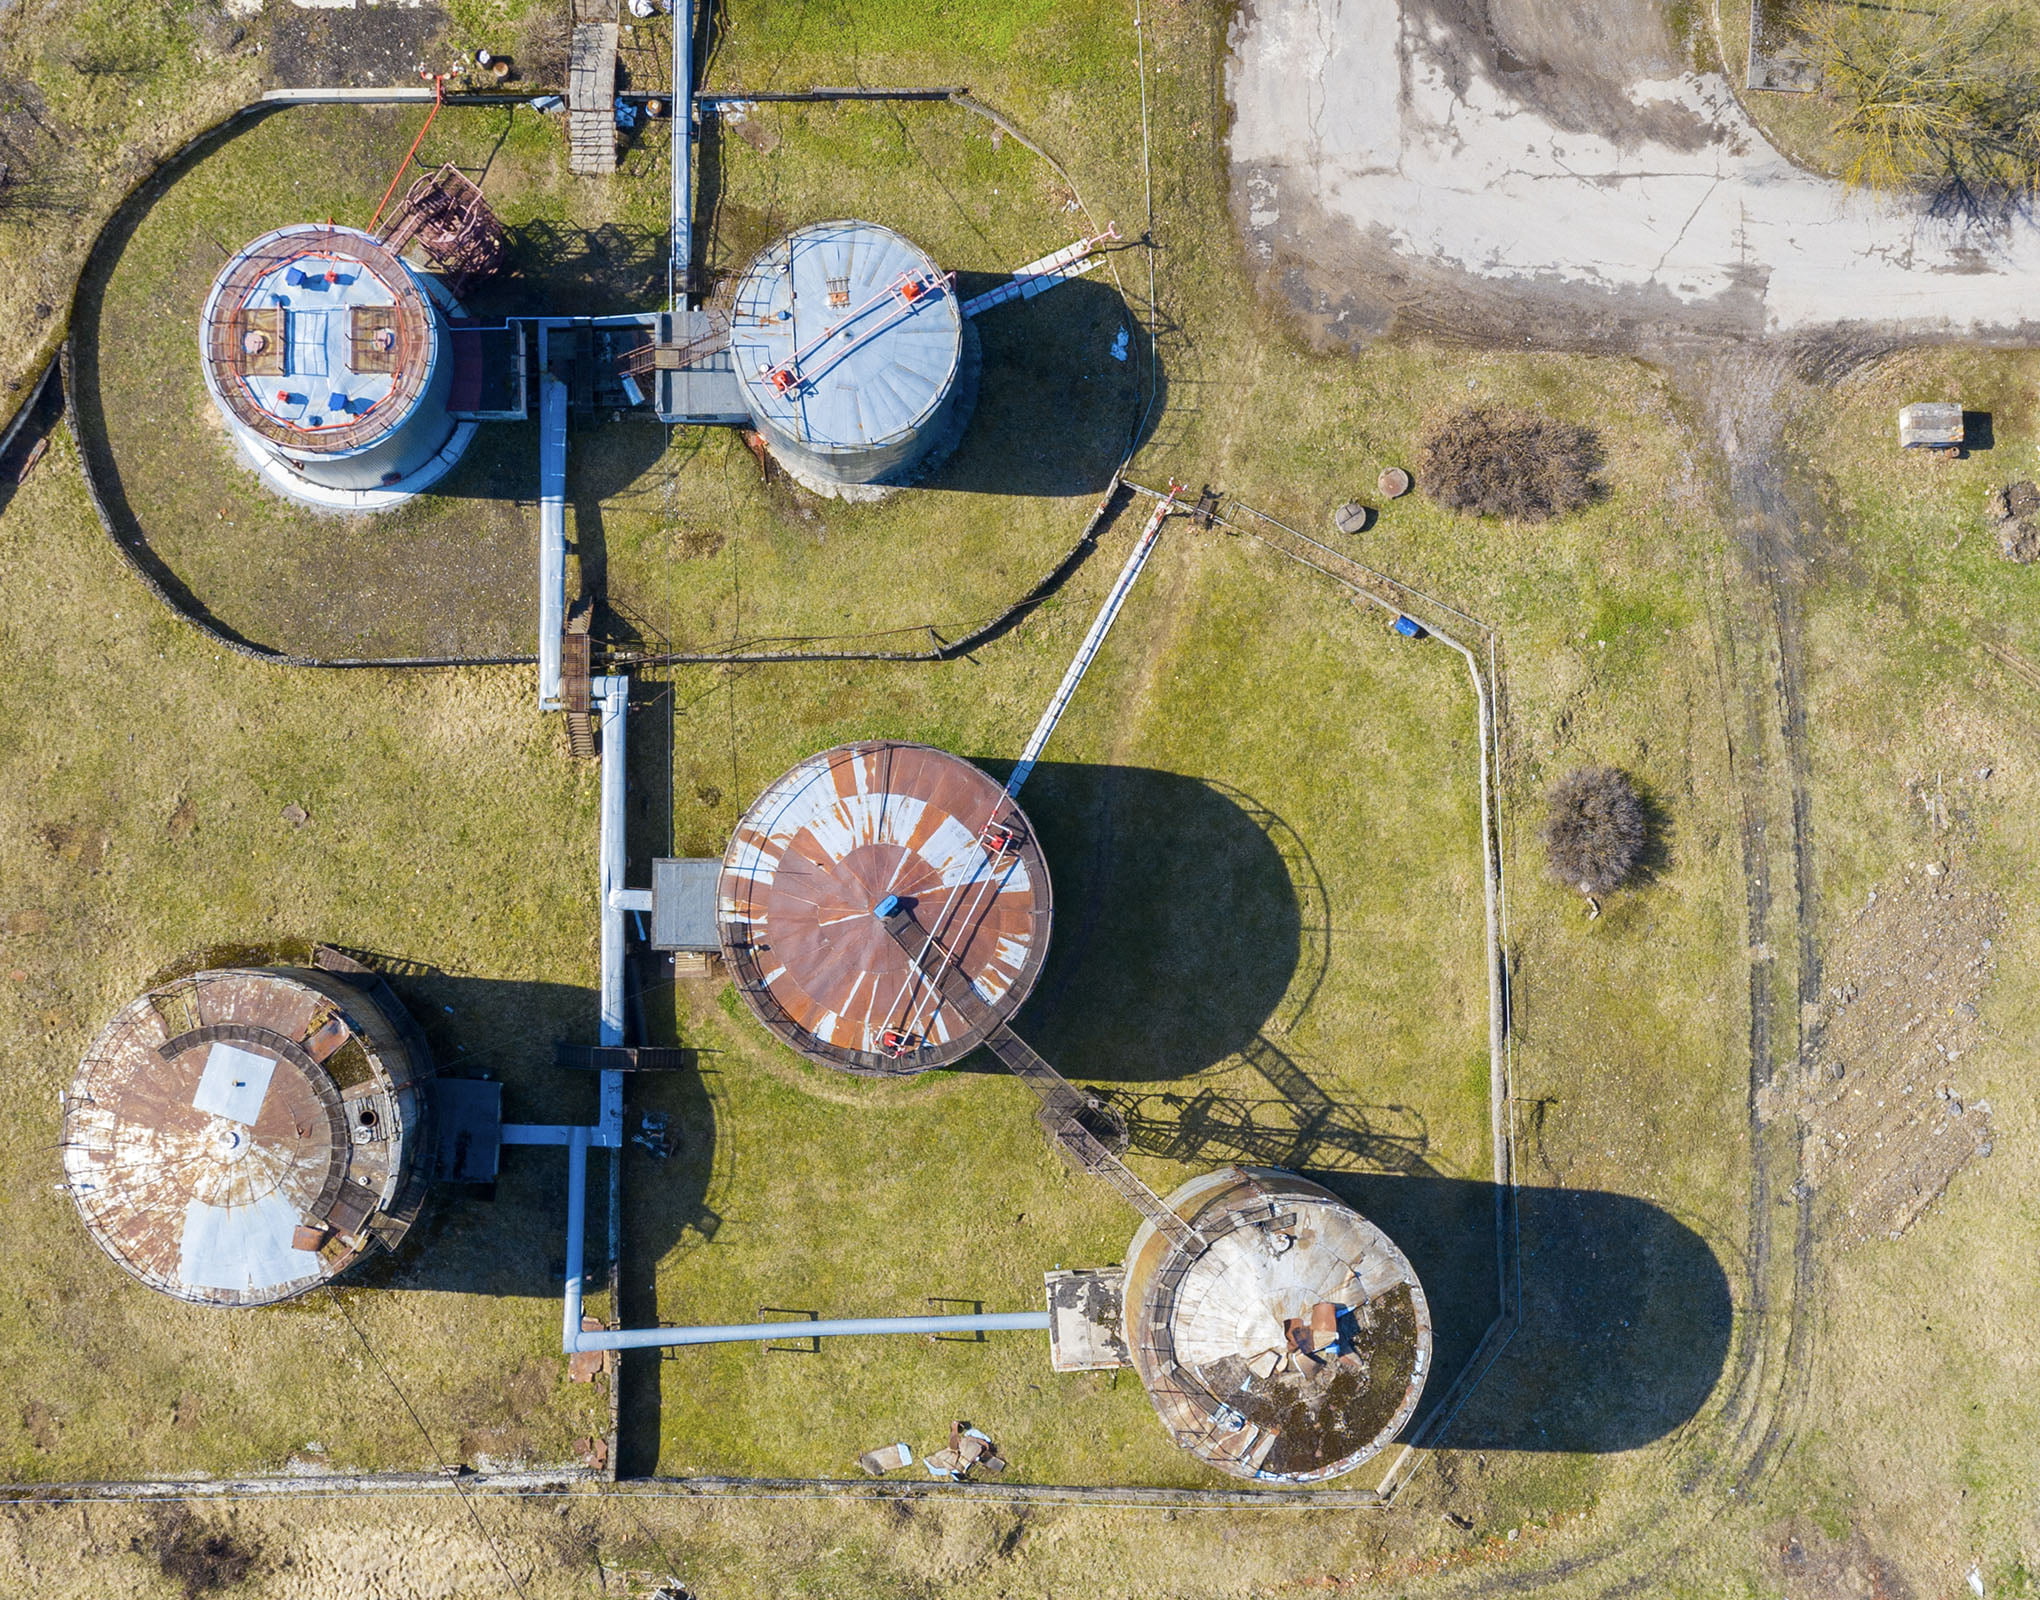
pixel 681 114
pixel 552 532
pixel 613 692
pixel 577 1226
pixel 744 1332
pixel 1094 640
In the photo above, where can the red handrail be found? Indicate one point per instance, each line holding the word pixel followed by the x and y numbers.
pixel 438 100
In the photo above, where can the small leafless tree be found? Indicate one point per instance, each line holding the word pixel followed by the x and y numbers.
pixel 1597 829
pixel 1945 103
pixel 1498 461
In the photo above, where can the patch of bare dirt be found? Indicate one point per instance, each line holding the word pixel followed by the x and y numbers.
pixel 370 47
pixel 1882 1100
pixel 198 1557
pixel 2014 512
pixel 76 842
pixel 40 1423
pixel 1816 1567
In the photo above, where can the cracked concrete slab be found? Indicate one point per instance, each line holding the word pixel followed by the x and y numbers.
pixel 1542 171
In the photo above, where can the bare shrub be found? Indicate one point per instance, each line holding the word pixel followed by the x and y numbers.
pixel 1597 829
pixel 198 1558
pixel 542 54
pixel 1497 461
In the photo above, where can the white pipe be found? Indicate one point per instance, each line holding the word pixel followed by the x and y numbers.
pixel 541 1132
pixel 681 112
pixel 577 1224
pixel 742 1332
pixel 614 693
pixel 552 532
pixel 1101 625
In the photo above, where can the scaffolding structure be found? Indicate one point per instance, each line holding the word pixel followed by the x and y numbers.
pixel 445 215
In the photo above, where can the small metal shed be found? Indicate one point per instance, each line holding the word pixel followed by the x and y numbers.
pixel 683 905
pixel 1931 425
pixel 469 1120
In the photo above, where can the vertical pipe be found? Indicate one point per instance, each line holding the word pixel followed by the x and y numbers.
pixel 613 691
pixel 577 1224
pixel 683 155
pixel 552 529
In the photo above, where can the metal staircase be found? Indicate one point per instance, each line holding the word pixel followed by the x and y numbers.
pixel 591 89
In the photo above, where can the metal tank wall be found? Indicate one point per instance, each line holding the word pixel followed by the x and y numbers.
pixel 880 406
pixel 414 435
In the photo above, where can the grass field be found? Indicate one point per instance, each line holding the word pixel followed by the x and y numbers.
pixel 668 527
pixel 1261 821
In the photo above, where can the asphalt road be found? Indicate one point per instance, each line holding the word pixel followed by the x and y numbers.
pixel 1550 171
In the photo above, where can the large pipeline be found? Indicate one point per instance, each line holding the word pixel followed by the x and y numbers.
pixel 840 1327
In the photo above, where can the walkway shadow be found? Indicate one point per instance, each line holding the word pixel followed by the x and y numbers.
pixel 558 270
pixel 1298 1126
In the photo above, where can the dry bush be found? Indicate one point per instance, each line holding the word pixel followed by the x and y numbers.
pixel 1495 461
pixel 1597 829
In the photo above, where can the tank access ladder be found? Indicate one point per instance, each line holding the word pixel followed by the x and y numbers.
pixel 1094 640
pixel 642 360
pixel 1063 1105
pixel 1071 261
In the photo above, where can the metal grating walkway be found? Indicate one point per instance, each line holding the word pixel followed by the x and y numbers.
pixel 591 98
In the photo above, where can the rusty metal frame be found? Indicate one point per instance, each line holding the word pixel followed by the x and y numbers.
pixel 415 324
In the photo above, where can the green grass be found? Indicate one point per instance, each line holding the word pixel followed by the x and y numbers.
pixel 448 574
pixel 423 793
pixel 1169 958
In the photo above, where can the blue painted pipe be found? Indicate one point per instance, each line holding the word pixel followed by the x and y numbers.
pixel 744 1332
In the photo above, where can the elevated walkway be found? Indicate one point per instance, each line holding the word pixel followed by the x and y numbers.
pixel 1067 1113
pixel 591 92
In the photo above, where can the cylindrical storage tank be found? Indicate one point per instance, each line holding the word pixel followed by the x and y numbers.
pixel 818 855
pixel 848 342
pixel 240 1136
pixel 330 360
pixel 1291 1343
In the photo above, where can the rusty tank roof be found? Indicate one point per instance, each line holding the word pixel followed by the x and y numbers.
pixel 818 854
pixel 240 1136
pixel 1291 1342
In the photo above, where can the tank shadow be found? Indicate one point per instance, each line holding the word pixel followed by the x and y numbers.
pixel 1056 409
pixel 1626 1311
pixel 1137 988
pixel 510 1239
